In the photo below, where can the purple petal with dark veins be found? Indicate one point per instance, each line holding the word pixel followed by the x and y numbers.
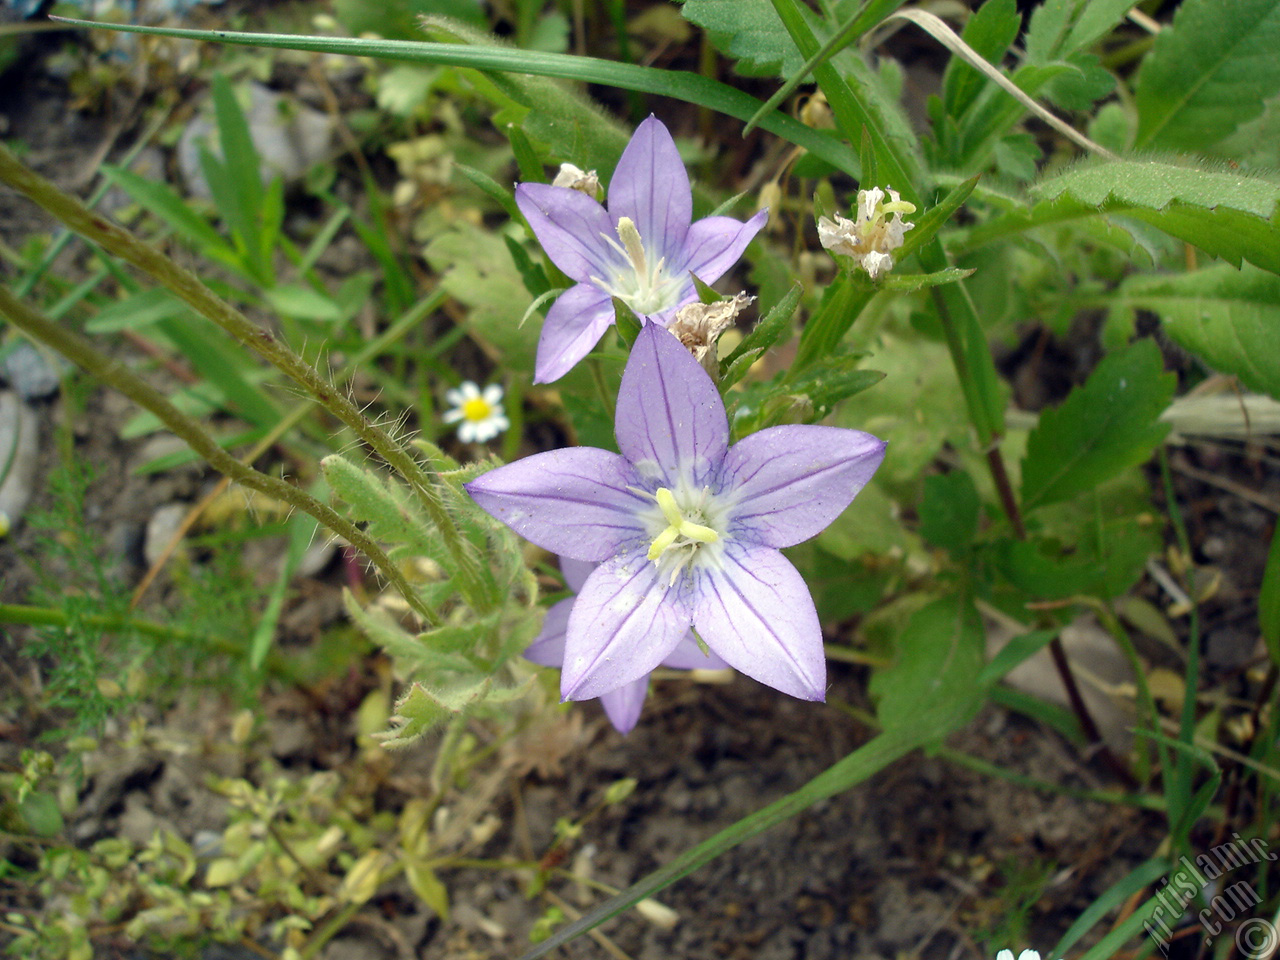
pixel 651 187
pixel 757 613
pixel 670 420
pixel 625 622
pixel 788 483
pixel 623 705
pixel 578 502
pixel 714 244
pixel 574 325
pixel 571 227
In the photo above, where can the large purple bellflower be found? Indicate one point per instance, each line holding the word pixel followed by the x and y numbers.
pixel 686 529
pixel 642 249
pixel 623 705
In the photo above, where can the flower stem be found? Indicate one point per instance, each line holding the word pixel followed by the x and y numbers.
pixel 114 374
pixel 188 287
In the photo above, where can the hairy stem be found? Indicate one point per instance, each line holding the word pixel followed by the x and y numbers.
pixel 188 287
pixel 114 374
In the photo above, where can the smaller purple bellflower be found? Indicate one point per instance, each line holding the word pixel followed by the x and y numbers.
pixel 687 530
pixel 623 705
pixel 642 249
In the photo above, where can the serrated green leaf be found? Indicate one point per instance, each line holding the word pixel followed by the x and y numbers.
pixel 751 33
pixel 419 710
pixel 1155 184
pixel 386 506
pixel 1228 214
pixel 1110 423
pixel 937 660
pixel 1229 318
pixel 1208 72
pixel 989 32
pixel 1106 562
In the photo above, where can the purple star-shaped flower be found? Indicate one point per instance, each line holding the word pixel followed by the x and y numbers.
pixel 642 249
pixel 622 705
pixel 686 529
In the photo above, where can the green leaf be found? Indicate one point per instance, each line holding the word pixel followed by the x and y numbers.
pixel 949 511
pixel 305 303
pixel 1059 28
pixel 1110 423
pixel 1208 72
pixel 933 683
pixel 162 201
pixel 750 33
pixel 989 32
pixel 910 282
pixel 1229 318
pixel 1155 184
pixel 1228 214
pixel 1107 560
pixel 385 505
pixel 137 311
pixel 476 269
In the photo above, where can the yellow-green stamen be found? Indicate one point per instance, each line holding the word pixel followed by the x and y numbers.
pixel 678 527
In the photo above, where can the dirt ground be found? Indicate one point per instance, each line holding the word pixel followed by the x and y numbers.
pixel 908 864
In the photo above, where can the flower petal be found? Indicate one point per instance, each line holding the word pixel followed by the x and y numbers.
pixel 757 613
pixel 580 502
pixel 623 705
pixel 547 649
pixel 571 227
pixel 689 656
pixel 575 323
pixel 788 483
pixel 670 420
pixel 651 187
pixel 575 572
pixel 626 620
pixel 714 244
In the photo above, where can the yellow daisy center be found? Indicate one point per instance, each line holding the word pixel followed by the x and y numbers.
pixel 477 409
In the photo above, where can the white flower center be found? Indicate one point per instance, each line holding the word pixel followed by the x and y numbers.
pixel 683 528
pixel 642 283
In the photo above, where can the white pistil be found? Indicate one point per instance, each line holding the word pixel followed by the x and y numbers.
pixel 644 287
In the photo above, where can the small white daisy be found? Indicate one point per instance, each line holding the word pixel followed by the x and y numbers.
pixel 481 414
pixel 1024 955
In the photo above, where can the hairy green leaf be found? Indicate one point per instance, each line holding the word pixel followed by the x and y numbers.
pixel 1110 423
pixel 1209 72
pixel 1229 318
pixel 1228 214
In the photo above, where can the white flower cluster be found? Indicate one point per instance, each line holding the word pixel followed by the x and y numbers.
pixel 871 238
